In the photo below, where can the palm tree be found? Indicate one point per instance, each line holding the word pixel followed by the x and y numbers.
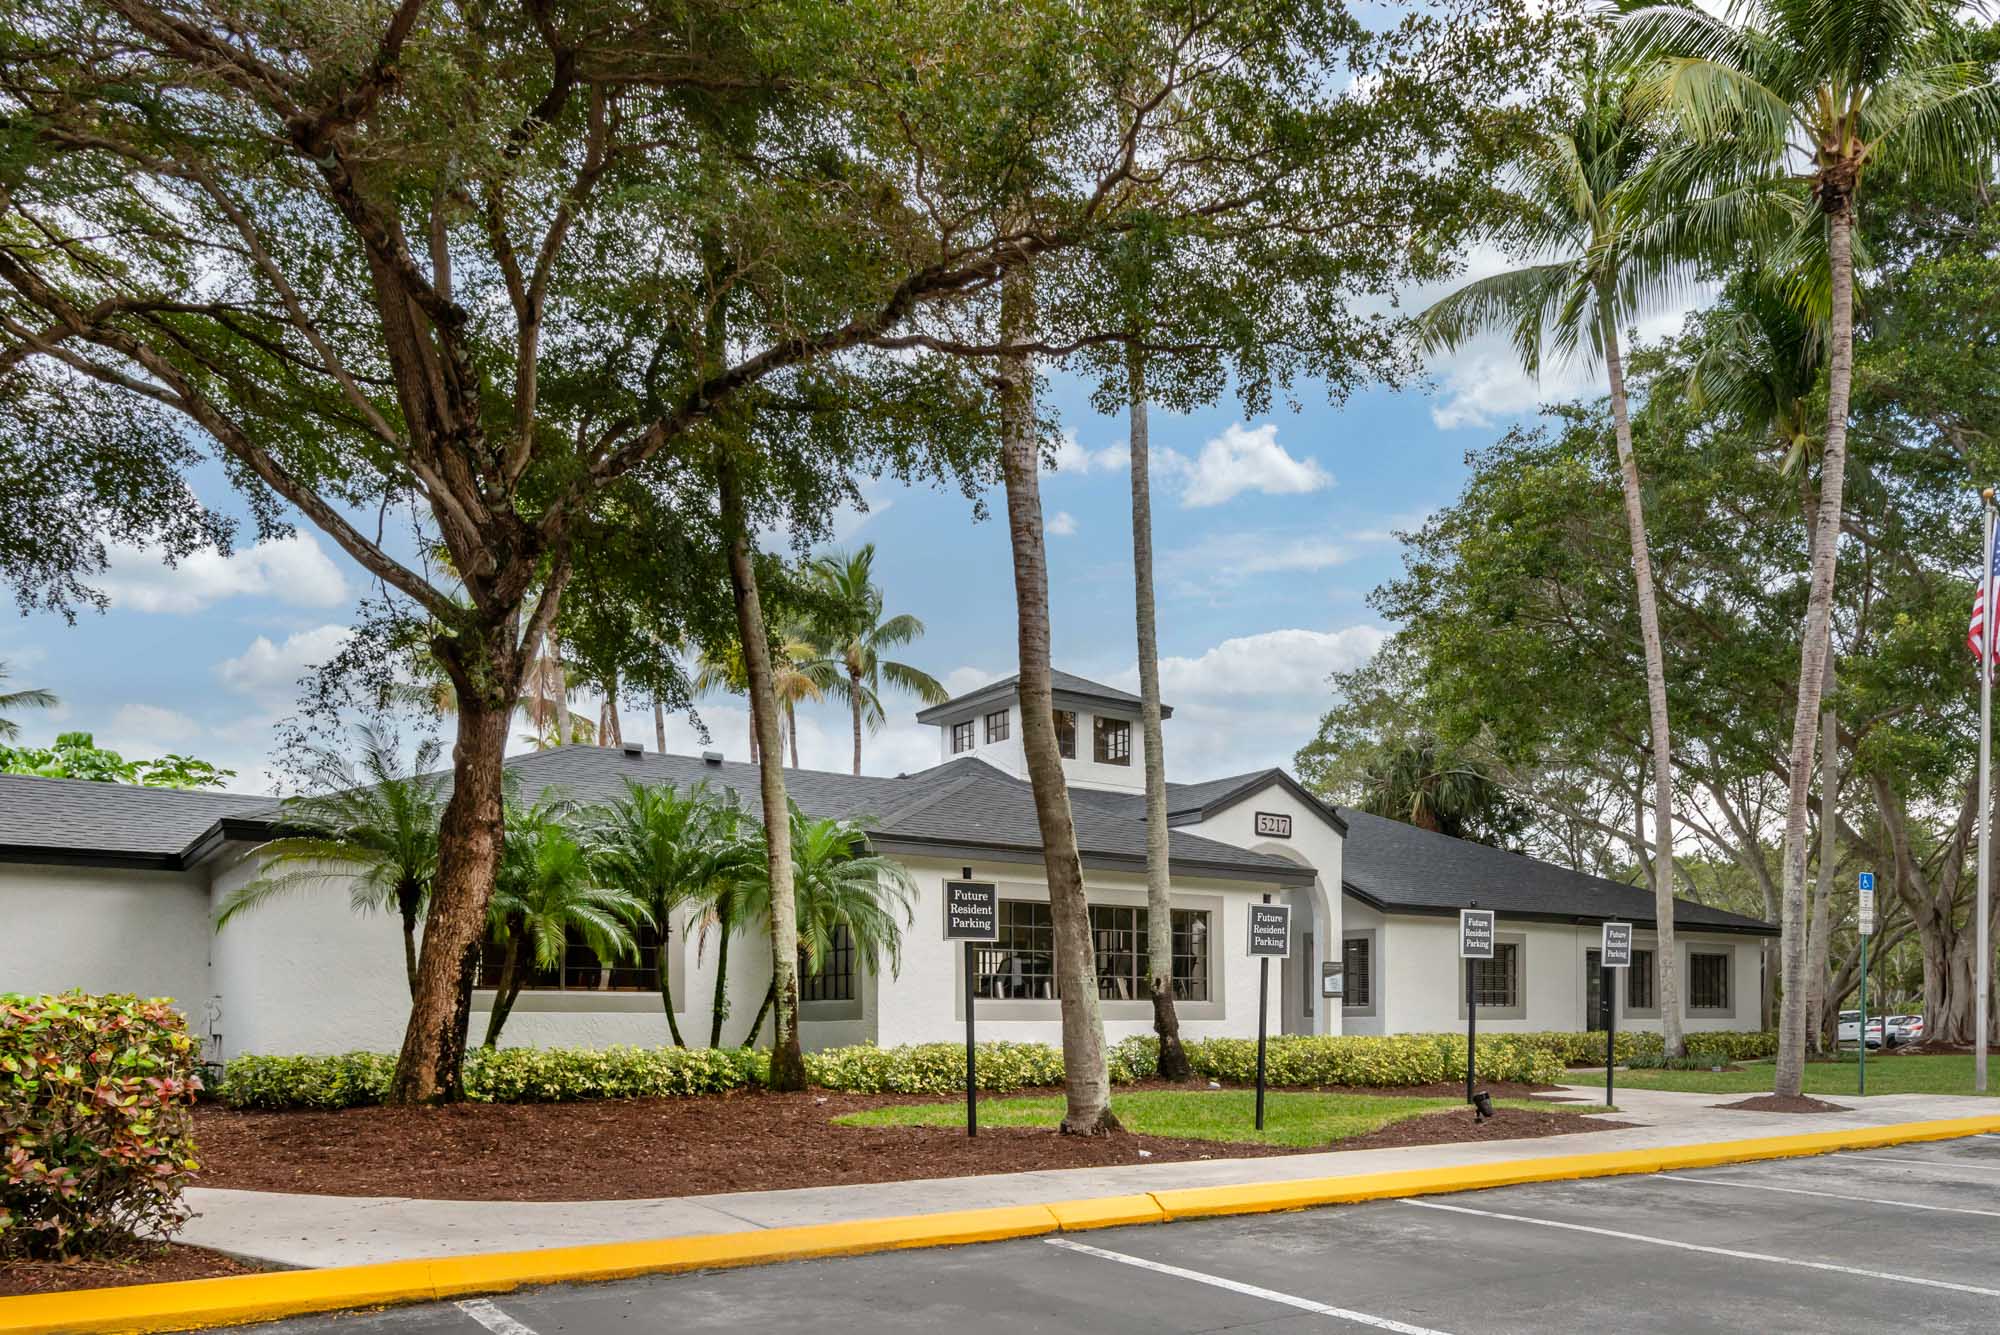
pixel 1414 780
pixel 672 849
pixel 32 698
pixel 1844 87
pixel 1173 1061
pixel 377 831
pixel 855 635
pixel 546 890
pixel 1579 210
pixel 840 887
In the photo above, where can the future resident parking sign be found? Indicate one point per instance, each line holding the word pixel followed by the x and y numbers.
pixel 1270 934
pixel 1475 934
pixel 971 911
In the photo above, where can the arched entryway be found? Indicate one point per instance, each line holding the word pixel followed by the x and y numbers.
pixel 1315 939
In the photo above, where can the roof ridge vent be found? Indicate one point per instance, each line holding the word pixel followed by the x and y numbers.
pixel 635 748
pixel 711 757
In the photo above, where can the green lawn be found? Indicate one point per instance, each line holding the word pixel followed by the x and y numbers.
pixel 1290 1118
pixel 1942 1073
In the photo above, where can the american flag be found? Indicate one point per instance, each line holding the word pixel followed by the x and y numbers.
pixel 1979 635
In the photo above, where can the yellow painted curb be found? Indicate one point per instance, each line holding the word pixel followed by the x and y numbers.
pixel 202 1303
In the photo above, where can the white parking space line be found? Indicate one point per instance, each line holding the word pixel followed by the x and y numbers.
pixel 1729 1252
pixel 1948 1164
pixel 1830 1195
pixel 491 1317
pixel 1249 1290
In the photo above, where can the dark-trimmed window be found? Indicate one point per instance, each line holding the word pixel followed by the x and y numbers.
pixel 1497 982
pixel 1639 993
pixel 1111 741
pixel 834 979
pixel 580 970
pixel 961 737
pixel 1357 973
pixel 997 726
pixel 1020 963
pixel 1066 733
pixel 1708 981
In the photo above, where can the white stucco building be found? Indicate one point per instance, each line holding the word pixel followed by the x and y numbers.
pixel 109 887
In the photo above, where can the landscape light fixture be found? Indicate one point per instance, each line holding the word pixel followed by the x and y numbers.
pixel 1482 1107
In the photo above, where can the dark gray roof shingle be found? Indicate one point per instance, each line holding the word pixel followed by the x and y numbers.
pixel 1063 684
pixel 1400 868
pixel 115 822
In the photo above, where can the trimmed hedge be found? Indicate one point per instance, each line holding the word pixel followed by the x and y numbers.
pixel 95 1121
pixel 555 1075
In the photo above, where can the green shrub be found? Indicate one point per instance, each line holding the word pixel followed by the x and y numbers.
pixel 1371 1061
pixel 344 1080
pixel 1734 1045
pixel 95 1099
pixel 933 1068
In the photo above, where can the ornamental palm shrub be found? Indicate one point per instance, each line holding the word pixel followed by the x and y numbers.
pixel 95 1098
pixel 547 889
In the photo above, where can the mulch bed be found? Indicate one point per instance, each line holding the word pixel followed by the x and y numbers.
pixel 1784 1103
pixel 1455 1125
pixel 747 1141
pixel 158 1264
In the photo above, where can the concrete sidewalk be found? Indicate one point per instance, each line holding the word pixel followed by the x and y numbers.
pixel 302 1230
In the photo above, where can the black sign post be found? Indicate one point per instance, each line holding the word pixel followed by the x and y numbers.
pixel 1614 954
pixel 1475 943
pixel 971 915
pixel 1269 938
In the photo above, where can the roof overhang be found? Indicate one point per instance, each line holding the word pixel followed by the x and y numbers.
pixel 1395 910
pixel 1309 799
pixel 987 696
pixel 905 846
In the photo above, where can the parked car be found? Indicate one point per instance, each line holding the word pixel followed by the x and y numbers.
pixel 1850 1029
pixel 1906 1028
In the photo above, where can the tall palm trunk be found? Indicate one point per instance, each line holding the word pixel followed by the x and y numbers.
pixel 406 904
pixel 792 730
pixel 660 725
pixel 1813 649
pixel 1086 1077
pixel 1656 686
pixel 666 980
pixel 1819 943
pixel 788 1065
pixel 854 699
pixel 1173 1064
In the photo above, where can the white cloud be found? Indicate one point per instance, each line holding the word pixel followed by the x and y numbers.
pixel 1252 701
pixel 1062 524
pixel 1246 459
pixel 1073 456
pixel 1222 560
pixel 294 570
pixel 154 723
pixel 269 673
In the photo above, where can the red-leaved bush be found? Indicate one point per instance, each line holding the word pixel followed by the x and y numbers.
pixel 96 1132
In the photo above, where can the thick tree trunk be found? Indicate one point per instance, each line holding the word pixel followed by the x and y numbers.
pixel 1159 898
pixel 1668 961
pixel 428 1069
pixel 609 732
pixel 667 982
pixel 1819 936
pixel 1812 655
pixel 788 1066
pixel 1086 1076
pixel 719 1008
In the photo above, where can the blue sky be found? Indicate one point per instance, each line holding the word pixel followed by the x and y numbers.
pixel 1270 533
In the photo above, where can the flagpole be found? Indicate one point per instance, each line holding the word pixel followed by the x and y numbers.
pixel 1982 979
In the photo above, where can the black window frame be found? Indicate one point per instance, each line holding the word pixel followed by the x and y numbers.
pixel 1496 982
pixel 1065 720
pixel 962 737
pixel 1110 740
pixel 1716 965
pixel 1642 981
pixel 580 965
pixel 999 726
pixel 1355 997
pixel 1020 963
pixel 837 977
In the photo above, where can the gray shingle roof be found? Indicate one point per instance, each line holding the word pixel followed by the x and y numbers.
pixel 1400 868
pixel 1064 684
pixel 75 820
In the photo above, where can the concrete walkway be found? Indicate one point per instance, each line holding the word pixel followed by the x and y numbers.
pixel 302 1230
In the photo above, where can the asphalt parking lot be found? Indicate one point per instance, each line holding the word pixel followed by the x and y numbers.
pixel 1904 1239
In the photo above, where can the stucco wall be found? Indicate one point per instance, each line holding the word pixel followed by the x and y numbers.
pixel 1422 976
pixel 1313 843
pixel 104 929
pixel 1081 770
pixel 924 1002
